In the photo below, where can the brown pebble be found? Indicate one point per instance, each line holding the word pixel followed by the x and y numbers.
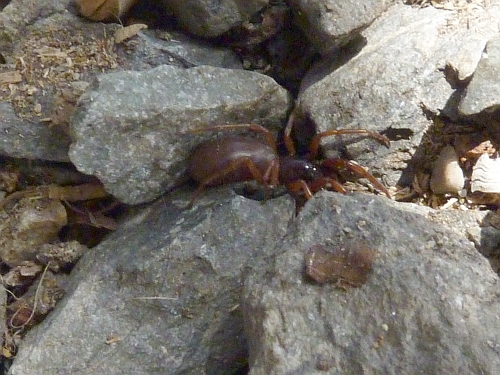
pixel 348 265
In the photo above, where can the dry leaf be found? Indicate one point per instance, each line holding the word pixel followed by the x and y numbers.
pixel 6 353
pixel 128 32
pixel 10 77
pixel 485 147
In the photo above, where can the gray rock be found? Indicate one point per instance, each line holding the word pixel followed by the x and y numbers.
pixel 160 295
pixel 480 227
pixel 398 76
pixel 148 51
pixel 26 136
pixel 208 19
pixel 430 299
pixel 483 91
pixel 331 24
pixel 24 139
pixel 128 127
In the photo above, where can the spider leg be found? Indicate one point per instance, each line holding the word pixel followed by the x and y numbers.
pixel 315 142
pixel 336 164
pixel 287 138
pixel 267 179
pixel 311 188
pixel 299 186
pixel 320 183
pixel 253 127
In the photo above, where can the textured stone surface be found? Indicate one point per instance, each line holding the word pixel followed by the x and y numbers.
pixel 178 50
pixel 22 139
pixel 50 47
pixel 208 19
pixel 486 175
pixel 199 17
pixel 331 24
pixel 166 287
pixel 408 66
pixel 128 128
pixel 162 294
pixel 430 305
pixel 483 92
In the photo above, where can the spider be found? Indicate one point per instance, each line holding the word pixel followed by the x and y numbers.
pixel 236 158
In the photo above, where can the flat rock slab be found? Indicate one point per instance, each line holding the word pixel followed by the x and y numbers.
pixel 129 127
pixel 429 306
pixel 177 49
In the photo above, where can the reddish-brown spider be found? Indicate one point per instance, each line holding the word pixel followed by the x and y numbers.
pixel 235 158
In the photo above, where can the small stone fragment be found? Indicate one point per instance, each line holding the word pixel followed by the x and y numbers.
pixel 447 176
pixel 22 275
pixel 486 175
pixel 62 255
pixel 33 222
pixel 348 265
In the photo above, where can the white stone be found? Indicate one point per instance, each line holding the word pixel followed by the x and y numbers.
pixel 447 176
pixel 486 175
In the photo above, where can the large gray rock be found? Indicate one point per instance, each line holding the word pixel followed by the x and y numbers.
pixel 60 51
pixel 430 305
pixel 128 128
pixel 161 295
pixel 331 24
pixel 208 19
pixel 483 92
pixel 412 65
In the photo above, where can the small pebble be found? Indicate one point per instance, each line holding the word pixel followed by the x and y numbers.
pixel 447 176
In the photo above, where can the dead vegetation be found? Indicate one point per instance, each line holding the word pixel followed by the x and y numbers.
pixel 44 230
pixel 51 69
pixel 47 227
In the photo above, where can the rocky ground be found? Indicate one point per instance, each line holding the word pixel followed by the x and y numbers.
pixel 105 269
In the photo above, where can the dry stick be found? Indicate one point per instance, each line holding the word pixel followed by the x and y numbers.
pixel 7 290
